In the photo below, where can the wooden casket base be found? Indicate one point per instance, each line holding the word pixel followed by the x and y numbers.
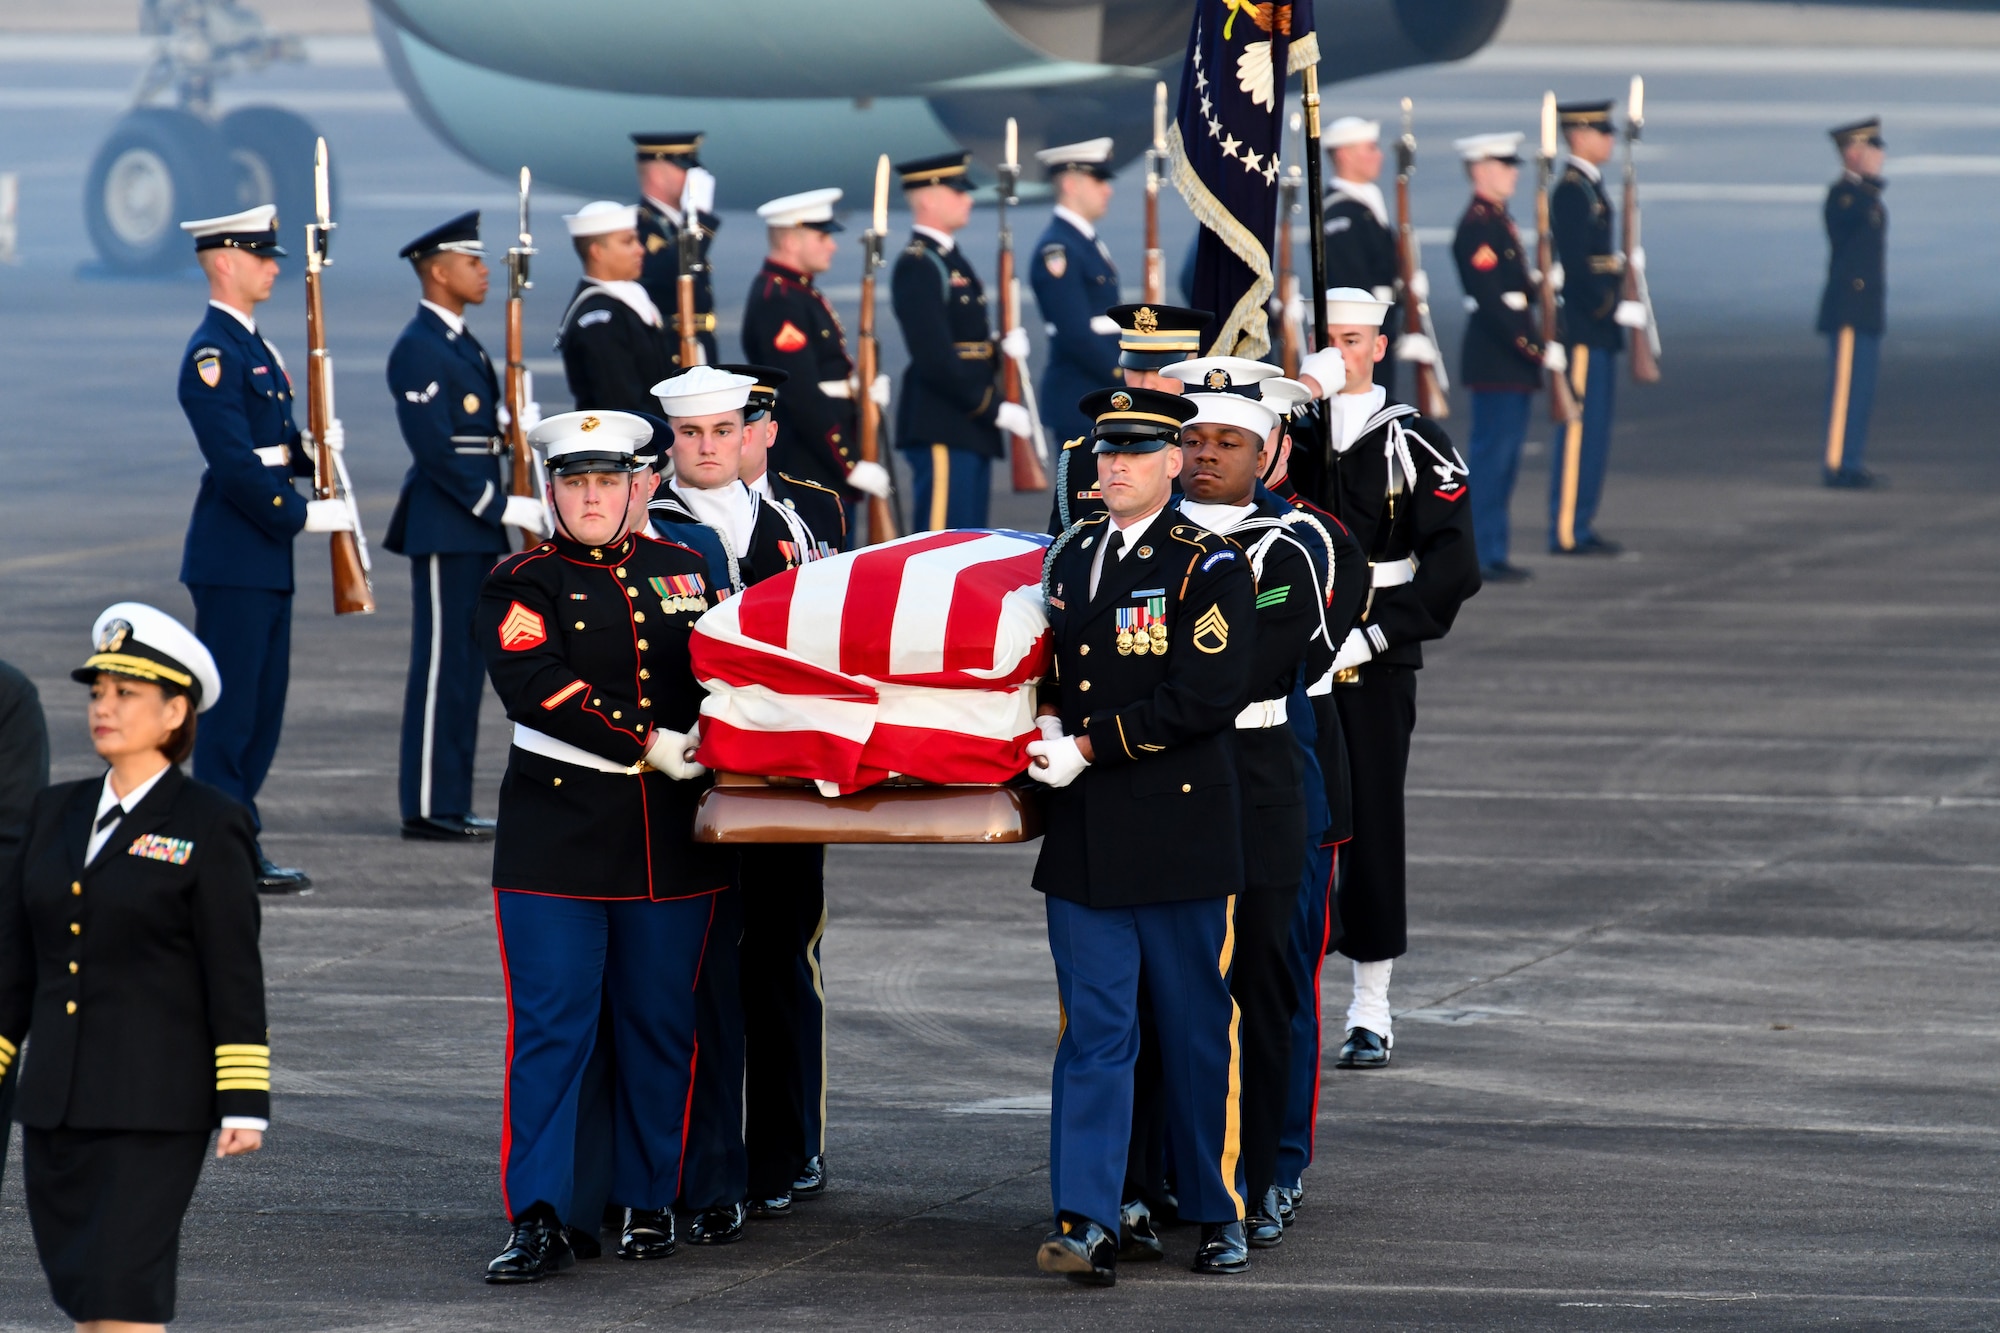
pixel 744 809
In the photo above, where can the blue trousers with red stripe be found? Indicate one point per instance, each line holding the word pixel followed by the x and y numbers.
pixel 562 958
pixel 1187 951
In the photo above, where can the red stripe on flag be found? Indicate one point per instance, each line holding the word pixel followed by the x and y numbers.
pixel 973 622
pixel 933 755
pixel 778 754
pixel 767 615
pixel 874 589
pixel 742 664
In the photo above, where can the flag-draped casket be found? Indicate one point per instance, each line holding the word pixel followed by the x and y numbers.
pixel 915 657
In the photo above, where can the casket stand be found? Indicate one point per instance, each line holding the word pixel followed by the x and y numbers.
pixel 740 808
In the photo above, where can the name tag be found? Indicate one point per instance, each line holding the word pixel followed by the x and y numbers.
pixel 154 847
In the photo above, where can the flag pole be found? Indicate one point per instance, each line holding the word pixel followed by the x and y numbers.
pixel 1315 204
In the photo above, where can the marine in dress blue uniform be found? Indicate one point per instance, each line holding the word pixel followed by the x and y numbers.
pixel 449 521
pixel 599 887
pixel 1151 623
pixel 1075 284
pixel 1852 307
pixel 1502 359
pixel 667 164
pixel 237 559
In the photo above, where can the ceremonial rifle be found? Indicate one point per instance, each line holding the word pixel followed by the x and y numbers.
pixel 351 593
pixel 690 264
pixel 1315 202
pixel 1285 298
pixel 520 380
pixel 1645 346
pixel 1156 261
pixel 1431 385
pixel 882 525
pixel 1562 399
pixel 1029 453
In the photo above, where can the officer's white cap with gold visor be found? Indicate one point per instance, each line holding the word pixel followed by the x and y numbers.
pixel 1253 396
pixel 577 442
pixel 145 643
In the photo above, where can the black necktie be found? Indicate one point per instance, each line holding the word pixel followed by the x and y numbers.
pixel 1117 548
pixel 110 817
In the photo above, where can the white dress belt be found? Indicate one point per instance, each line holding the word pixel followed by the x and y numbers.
pixel 274 455
pixel 1261 714
pixel 534 742
pixel 1392 573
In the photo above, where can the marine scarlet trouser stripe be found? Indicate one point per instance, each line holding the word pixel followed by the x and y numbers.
pixel 1843 387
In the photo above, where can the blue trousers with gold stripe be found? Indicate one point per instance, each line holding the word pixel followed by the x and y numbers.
pixel 1187 950
pixel 948 488
pixel 1853 362
pixel 1583 448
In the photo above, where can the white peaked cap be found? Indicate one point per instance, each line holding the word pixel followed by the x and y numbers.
pixel 612 434
pixel 264 217
pixel 1090 153
pixel 1486 147
pixel 602 217
pixel 796 210
pixel 144 642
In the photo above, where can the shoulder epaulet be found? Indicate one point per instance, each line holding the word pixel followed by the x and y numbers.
pixel 1071 444
pixel 507 564
pixel 915 247
pixel 801 481
pixel 1199 537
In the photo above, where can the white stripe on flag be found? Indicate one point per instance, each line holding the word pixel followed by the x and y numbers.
pixel 759 708
pixel 812 630
pixel 916 640
pixel 999 715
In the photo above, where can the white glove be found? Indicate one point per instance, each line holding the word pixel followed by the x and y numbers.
pixel 836 388
pixel 878 392
pixel 336 435
pixel 698 192
pixel 1013 419
pixel 1630 315
pixel 531 415
pixel 1384 293
pixel 1636 261
pixel 328 516
pixel 1354 650
pixel 1105 325
pixel 1417 347
pixel 1555 357
pixel 526 513
pixel 1014 344
pixel 1063 761
pixel 1327 370
pixel 870 479
pixel 1293 311
pixel 1514 300
pixel 1050 725
pixel 672 752
pixel 1556 275
pixel 1420 285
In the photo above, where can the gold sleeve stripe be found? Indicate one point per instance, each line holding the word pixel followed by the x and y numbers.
pixel 243 1071
pixel 243 1085
pixel 7 1048
pixel 254 1061
pixel 243 1049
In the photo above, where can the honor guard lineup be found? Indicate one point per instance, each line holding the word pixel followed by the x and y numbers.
pixel 1243 569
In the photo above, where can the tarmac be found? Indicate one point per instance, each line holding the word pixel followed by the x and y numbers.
pixel 1697 1029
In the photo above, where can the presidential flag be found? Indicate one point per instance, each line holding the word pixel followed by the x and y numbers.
pixel 1224 148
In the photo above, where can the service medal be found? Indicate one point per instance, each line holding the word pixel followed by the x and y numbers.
pixel 1141 645
pixel 1124 643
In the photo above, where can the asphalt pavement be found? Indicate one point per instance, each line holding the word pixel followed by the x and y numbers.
pixel 1697 1029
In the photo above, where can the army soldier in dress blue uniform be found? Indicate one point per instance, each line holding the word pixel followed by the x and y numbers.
pixel 1360 238
pixel 672 185
pixel 1852 307
pixel 1594 321
pixel 450 520
pixel 1075 283
pixel 788 324
pixel 951 416
pixel 1151 621
pixel 1503 358
pixel 237 562
pixel 615 342
pixel 599 888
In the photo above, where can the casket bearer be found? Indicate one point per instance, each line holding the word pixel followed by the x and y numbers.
pixel 1151 621
pixel 599 887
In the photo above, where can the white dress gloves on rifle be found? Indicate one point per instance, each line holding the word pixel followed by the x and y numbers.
pixel 870 479
pixel 328 516
pixel 1636 261
pixel 1354 650
pixel 531 416
pixel 526 513
pixel 1013 419
pixel 1417 347
pixel 878 392
pixel 1555 357
pixel 672 752
pixel 1630 315
pixel 698 192
pixel 1104 325
pixel 1014 344
pixel 1061 761
pixel 1420 285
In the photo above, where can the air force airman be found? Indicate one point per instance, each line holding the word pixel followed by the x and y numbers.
pixel 1075 283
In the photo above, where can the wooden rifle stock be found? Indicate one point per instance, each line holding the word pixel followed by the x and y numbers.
pixel 1645 342
pixel 882 524
pixel 1156 154
pixel 1028 473
pixel 684 316
pixel 1430 396
pixel 351 593
pixel 1562 399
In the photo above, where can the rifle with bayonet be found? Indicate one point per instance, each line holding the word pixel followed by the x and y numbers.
pixel 1432 387
pixel 1646 342
pixel 882 524
pixel 1156 156
pixel 1562 399
pixel 1029 454
pixel 351 592
pixel 686 321
pixel 520 380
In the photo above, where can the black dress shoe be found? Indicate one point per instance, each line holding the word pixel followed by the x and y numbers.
pixel 717 1226
pixel 1363 1050
pixel 1591 545
pixel 1288 1203
pixel 537 1249
pixel 1137 1240
pixel 280 879
pixel 1859 479
pixel 778 1205
pixel 1264 1229
pixel 447 828
pixel 1504 572
pixel 648 1234
pixel 1082 1251
pixel 1224 1249
pixel 812 1178
pixel 583 1244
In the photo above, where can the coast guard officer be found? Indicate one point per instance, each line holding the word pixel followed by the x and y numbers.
pixel 1151 620
pixel 675 189
pixel 1075 283
pixel 237 560
pixel 603 898
pixel 1851 307
pixel 614 341
pixel 951 416
pixel 451 520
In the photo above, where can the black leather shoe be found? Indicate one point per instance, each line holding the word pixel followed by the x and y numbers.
pixel 1289 1199
pixel 1364 1050
pixel 648 1234
pixel 447 828
pixel 537 1249
pixel 1860 479
pixel 583 1244
pixel 812 1178
pixel 1081 1251
pixel 1137 1240
pixel 1224 1249
pixel 717 1226
pixel 280 879
pixel 778 1205
pixel 1591 545
pixel 1264 1229
pixel 1504 572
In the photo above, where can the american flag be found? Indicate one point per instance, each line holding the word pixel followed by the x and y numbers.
pixel 1224 148
pixel 916 656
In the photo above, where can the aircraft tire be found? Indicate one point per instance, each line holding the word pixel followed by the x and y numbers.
pixel 157 168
